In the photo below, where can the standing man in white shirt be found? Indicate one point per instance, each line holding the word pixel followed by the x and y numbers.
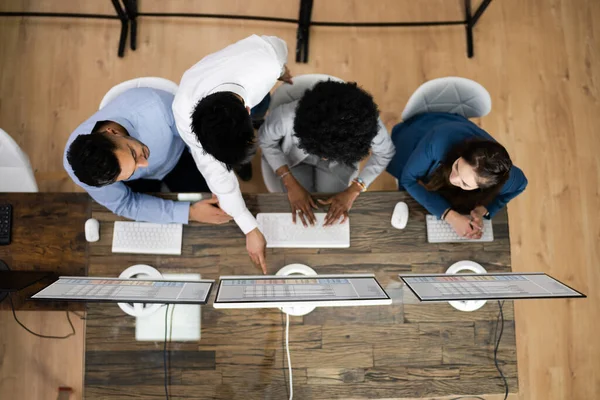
pixel 212 113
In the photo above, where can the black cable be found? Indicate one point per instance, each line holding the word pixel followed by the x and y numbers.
pixel 12 306
pixel 499 320
pixel 81 317
pixel 165 352
pixel 501 316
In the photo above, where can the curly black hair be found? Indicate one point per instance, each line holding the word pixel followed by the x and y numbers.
pixel 336 121
pixel 223 127
pixel 93 159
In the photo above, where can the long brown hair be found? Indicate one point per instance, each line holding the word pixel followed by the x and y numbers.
pixel 491 163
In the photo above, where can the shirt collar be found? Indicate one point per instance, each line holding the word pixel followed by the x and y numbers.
pixel 127 125
pixel 233 88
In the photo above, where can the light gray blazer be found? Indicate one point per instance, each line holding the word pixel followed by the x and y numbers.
pixel 280 146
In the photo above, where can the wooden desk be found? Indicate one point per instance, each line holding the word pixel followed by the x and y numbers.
pixel 47 235
pixel 404 350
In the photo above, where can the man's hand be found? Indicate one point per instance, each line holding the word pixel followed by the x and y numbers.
pixel 208 211
pixel 256 246
pixel 463 225
pixel 286 76
pixel 340 205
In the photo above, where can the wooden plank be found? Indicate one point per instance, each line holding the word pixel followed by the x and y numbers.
pixel 131 368
pixel 479 355
pixel 328 316
pixel 334 376
pixel 448 332
pixel 347 356
pixel 443 312
pixel 379 333
pixel 301 337
pixel 401 374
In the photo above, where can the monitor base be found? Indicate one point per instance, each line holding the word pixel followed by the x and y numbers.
pixel 140 309
pixel 466 305
pixel 297 269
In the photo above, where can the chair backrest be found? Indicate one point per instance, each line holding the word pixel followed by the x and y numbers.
pixel 287 93
pixel 149 82
pixel 451 95
pixel 16 174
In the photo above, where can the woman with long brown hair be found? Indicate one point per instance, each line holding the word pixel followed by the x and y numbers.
pixel 455 169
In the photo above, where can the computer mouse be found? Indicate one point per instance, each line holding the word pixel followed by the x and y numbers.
pixel 92 230
pixel 400 215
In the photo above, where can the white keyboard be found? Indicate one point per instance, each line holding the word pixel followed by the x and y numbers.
pixel 439 231
pixel 147 238
pixel 280 231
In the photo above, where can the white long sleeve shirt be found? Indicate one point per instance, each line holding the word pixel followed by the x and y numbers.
pixel 249 68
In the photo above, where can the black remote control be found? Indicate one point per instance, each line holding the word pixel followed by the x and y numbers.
pixel 5 223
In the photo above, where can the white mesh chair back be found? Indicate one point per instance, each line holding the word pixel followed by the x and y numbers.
pixel 149 82
pixel 451 95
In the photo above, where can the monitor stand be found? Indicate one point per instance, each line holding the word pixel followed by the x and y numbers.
pixel 3 267
pixel 466 305
pixel 297 269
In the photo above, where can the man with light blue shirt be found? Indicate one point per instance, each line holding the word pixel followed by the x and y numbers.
pixel 131 146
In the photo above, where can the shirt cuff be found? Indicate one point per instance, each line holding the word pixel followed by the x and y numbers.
pixel 246 222
pixel 181 212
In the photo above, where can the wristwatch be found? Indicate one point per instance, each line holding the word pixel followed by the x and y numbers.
pixel 361 183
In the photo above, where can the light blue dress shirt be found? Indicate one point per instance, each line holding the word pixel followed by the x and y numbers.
pixel 147 116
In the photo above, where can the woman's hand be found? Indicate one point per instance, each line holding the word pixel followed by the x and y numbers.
pixel 463 225
pixel 340 205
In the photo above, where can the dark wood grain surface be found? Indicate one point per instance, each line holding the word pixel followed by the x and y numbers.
pixel 47 235
pixel 407 349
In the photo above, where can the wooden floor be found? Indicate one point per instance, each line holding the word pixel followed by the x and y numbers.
pixel 538 58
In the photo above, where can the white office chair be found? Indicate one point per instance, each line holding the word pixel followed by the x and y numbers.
pixel 450 94
pixel 286 94
pixel 16 174
pixel 149 82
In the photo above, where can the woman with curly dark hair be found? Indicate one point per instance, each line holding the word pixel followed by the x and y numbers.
pixel 455 169
pixel 315 144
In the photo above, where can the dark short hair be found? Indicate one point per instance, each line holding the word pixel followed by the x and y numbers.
pixel 336 121
pixel 93 159
pixel 223 127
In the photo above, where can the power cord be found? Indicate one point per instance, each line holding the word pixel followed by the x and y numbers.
pixel 501 317
pixel 12 306
pixel 165 352
pixel 287 388
pixel 287 350
pixel 497 338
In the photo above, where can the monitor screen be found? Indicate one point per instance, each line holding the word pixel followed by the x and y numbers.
pixel 492 286
pixel 319 290
pixel 95 289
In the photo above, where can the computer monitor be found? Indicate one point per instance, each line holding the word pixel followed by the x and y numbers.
pixel 299 291
pixel 490 286
pixel 97 289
